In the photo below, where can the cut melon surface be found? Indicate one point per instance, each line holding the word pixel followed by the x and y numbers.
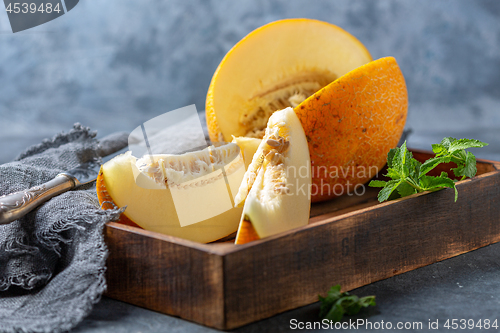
pixel 185 196
pixel 277 65
pixel 248 148
pixel 275 191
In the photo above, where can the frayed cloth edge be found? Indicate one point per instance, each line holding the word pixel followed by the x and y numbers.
pixel 78 132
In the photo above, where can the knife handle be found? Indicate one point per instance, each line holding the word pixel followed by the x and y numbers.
pixel 15 205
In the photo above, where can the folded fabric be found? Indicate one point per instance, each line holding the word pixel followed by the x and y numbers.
pixel 52 261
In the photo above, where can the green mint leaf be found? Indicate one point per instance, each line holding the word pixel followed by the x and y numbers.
pixel 432 163
pixel 393 174
pixel 409 176
pixel 334 292
pixel 459 171
pixel 404 189
pixel 458 157
pixel 336 313
pixel 464 144
pixel 459 162
pixel 377 183
pixel 429 183
pixel 331 298
pixel 470 169
pixel 367 301
pixel 326 305
pixel 446 142
pixel 467 168
pixel 415 168
pixel 336 304
pixel 400 160
pixel 460 154
pixel 384 193
pixel 439 149
pixel 397 161
pixel 390 156
pixel 350 304
pixel 329 301
pixel 394 195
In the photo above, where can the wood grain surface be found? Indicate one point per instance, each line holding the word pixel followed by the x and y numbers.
pixel 156 272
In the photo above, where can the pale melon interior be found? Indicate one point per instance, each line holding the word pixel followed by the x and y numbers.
pixel 196 207
pixel 259 75
pixel 248 147
pixel 276 195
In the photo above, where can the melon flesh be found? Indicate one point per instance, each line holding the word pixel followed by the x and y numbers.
pixel 276 66
pixel 276 191
pixel 248 147
pixel 193 201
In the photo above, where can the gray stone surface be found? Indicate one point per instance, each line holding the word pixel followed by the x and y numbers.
pixel 464 287
pixel 114 64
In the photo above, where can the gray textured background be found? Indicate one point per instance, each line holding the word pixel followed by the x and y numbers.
pixel 114 64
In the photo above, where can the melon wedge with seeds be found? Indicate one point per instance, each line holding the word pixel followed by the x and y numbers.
pixel 190 196
pixel 275 192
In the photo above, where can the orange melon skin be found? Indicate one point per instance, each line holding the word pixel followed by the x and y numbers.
pixel 351 125
pixel 246 233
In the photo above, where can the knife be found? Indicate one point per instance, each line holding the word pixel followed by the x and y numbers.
pixel 15 205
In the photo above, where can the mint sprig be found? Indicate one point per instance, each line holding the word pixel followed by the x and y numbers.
pixel 409 176
pixel 336 304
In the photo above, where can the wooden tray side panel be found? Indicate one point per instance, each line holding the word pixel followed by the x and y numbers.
pixel 164 277
pixel 359 248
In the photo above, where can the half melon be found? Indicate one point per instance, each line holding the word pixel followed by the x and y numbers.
pixel 353 110
pixel 277 65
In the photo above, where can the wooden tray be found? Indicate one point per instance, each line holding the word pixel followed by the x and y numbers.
pixel 352 241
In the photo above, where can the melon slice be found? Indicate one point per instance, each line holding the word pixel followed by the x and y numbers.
pixel 190 196
pixel 248 148
pixel 275 192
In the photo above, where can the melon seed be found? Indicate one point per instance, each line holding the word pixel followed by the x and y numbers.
pixel 285 146
pixel 273 143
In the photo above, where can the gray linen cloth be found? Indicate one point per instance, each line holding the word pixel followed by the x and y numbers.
pixel 52 261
